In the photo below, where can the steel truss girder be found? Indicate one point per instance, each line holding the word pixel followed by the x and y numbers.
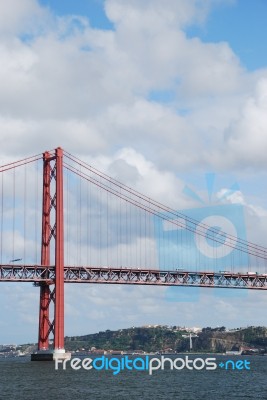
pixel 39 274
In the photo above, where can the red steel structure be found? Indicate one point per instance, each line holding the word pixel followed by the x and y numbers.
pixel 52 229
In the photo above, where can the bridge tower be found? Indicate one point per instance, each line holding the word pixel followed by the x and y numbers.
pixel 51 309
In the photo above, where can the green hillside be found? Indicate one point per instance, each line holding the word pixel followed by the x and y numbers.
pixel 162 338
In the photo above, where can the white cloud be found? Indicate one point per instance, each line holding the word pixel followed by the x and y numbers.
pixel 155 12
pixel 16 15
pixel 73 81
pixel 246 137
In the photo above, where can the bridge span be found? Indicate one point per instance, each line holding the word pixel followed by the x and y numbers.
pixel 133 276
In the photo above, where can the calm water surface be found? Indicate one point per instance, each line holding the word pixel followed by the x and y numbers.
pixel 21 379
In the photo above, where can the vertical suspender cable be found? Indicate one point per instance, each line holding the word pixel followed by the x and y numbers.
pixel 14 213
pixel 107 230
pixel 77 223
pixel 100 226
pixel 67 218
pixel 24 215
pixel 80 222
pixel 2 214
pixel 87 223
pixel 35 210
pixel 117 231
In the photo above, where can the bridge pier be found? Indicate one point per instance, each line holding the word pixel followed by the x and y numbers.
pixel 50 355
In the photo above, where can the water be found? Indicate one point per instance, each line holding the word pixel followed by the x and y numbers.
pixel 22 379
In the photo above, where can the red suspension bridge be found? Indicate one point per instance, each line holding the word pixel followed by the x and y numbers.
pixel 105 232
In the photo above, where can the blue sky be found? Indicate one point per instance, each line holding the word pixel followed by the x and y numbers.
pixel 241 23
pixel 92 9
pixel 156 92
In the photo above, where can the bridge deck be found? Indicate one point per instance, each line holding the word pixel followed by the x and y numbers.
pixel 133 276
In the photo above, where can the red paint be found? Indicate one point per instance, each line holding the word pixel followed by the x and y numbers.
pixel 59 254
pixel 52 210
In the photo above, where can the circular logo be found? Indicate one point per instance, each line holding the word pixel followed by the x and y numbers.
pixel 213 240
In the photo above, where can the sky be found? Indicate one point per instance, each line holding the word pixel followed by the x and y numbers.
pixel 170 90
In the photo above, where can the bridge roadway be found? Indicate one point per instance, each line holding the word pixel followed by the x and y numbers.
pixel 134 276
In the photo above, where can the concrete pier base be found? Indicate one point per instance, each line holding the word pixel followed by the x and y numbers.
pixel 48 355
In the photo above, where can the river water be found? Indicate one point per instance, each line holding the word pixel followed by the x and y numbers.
pixel 21 379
